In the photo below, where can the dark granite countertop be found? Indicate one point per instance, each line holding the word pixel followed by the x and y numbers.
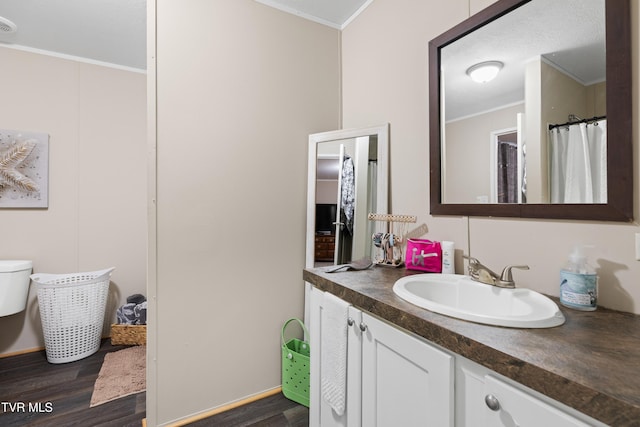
pixel 591 363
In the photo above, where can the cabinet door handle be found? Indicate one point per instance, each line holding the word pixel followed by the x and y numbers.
pixel 492 402
pixel 350 321
pixel 363 327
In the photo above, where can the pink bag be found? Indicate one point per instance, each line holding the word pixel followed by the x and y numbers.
pixel 424 255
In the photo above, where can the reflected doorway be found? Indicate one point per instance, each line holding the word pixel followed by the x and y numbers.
pixel 508 164
pixel 507 168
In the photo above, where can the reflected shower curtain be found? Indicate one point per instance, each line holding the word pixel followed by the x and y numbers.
pixel 578 155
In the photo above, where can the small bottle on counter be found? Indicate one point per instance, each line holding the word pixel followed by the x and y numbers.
pixel 448 258
pixel 579 283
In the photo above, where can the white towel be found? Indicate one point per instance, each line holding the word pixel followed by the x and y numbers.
pixel 333 353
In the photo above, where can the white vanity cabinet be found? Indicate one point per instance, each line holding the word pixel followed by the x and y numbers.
pixel 393 378
pixel 484 399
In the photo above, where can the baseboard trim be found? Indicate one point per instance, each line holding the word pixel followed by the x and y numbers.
pixel 36 349
pixel 19 352
pixel 226 407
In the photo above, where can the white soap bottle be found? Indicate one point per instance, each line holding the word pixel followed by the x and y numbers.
pixel 579 282
pixel 448 258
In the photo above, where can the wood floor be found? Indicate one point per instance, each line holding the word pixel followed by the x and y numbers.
pixel 59 394
pixel 273 411
pixel 34 392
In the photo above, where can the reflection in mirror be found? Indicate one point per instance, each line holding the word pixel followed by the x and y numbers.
pixel 347 180
pixel 541 81
pixel 550 134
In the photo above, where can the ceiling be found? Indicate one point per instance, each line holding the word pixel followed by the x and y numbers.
pixel 110 31
pixel 334 13
pixel 114 31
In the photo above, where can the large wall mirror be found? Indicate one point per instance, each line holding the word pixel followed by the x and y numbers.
pixel 347 179
pixel 547 133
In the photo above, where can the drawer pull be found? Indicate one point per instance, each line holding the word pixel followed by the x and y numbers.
pixel 492 402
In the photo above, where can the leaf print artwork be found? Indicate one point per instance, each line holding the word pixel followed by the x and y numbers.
pixel 10 159
pixel 23 169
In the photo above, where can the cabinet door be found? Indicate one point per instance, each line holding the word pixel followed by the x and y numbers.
pixel 470 392
pixel 405 381
pixel 512 407
pixel 320 413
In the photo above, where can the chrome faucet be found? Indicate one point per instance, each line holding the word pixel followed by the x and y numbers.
pixel 480 273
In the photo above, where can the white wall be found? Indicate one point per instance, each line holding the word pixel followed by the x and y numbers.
pixel 467 171
pixel 239 88
pixel 385 78
pixel 95 117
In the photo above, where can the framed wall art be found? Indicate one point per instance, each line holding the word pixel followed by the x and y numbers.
pixel 24 169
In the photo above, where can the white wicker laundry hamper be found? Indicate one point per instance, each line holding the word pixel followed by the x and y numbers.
pixel 72 310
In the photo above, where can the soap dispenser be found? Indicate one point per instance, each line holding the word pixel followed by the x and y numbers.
pixel 579 282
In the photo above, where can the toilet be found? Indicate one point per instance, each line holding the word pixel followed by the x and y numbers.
pixel 14 286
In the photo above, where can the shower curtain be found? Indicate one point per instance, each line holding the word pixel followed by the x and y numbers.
pixel 578 155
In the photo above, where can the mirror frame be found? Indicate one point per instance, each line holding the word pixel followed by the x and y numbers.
pixel 382 133
pixel 619 129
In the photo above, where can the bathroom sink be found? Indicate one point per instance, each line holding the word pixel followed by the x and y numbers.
pixel 458 296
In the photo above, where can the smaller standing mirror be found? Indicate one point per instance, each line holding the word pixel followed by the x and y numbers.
pixel 347 180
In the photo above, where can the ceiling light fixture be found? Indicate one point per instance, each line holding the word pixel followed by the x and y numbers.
pixel 484 71
pixel 7 27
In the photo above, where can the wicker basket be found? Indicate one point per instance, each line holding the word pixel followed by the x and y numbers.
pixel 72 310
pixel 128 334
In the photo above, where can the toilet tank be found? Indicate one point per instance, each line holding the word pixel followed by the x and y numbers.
pixel 14 285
